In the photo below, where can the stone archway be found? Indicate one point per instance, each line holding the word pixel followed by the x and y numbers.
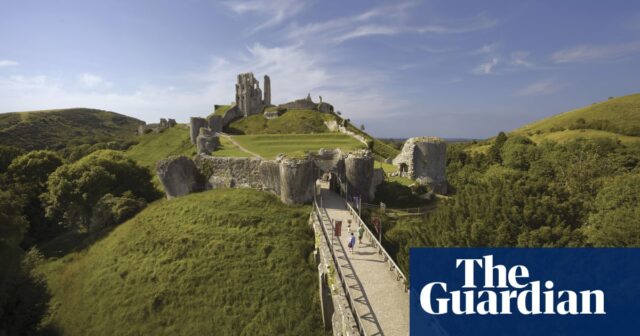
pixel 404 169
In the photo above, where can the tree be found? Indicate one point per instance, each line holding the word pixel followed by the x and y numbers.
pixel 7 154
pixel 616 219
pixel 29 174
pixel 74 189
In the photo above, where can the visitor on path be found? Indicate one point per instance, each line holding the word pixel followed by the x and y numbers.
pixel 352 242
pixel 349 227
pixel 360 234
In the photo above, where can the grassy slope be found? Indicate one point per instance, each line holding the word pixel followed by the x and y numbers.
pixel 226 262
pixel 291 122
pixel 57 129
pixel 153 147
pixel 221 110
pixel 622 113
pixel 295 145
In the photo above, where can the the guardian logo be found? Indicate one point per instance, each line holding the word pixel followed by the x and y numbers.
pixel 506 291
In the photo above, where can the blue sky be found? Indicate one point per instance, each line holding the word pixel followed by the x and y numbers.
pixel 403 68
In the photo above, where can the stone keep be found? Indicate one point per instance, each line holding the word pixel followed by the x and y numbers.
pixel 249 96
pixel 424 159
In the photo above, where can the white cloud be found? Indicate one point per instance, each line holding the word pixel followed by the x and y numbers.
pixel 486 49
pixel 368 30
pixel 586 53
pixel 540 88
pixel 462 26
pixel 274 12
pixel 294 71
pixel 519 59
pixel 485 68
pixel 381 20
pixel 8 63
pixel 90 80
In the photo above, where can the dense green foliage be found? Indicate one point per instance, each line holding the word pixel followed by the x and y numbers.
pixel 578 193
pixel 58 129
pixel 28 175
pixel 74 189
pixel 291 122
pixel 7 154
pixel 224 262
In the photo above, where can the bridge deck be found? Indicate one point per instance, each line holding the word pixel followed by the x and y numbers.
pixel 381 302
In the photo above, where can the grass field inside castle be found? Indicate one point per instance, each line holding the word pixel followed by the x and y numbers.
pixel 296 145
pixel 224 262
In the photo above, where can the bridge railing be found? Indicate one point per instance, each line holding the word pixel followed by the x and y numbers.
pixel 338 270
pixel 393 267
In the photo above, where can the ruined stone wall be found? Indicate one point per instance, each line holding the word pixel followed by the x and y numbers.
pixel 156 127
pixel 231 114
pixel 215 123
pixel 300 104
pixel 195 123
pixel 267 91
pixel 359 174
pixel 425 159
pixel 248 94
pixel 179 176
pixel 290 179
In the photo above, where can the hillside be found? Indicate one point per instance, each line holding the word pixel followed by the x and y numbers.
pixel 226 262
pixel 291 122
pixel 57 129
pixel 616 115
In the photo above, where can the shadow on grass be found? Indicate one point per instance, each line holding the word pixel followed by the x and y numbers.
pixel 72 241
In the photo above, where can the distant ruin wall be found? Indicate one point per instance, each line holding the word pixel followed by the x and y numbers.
pixel 424 159
pixel 300 104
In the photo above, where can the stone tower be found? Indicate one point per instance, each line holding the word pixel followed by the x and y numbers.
pixel 424 159
pixel 267 91
pixel 249 96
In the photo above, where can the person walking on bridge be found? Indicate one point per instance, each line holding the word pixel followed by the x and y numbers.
pixel 360 234
pixel 352 242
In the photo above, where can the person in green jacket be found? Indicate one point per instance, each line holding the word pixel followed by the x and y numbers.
pixel 360 234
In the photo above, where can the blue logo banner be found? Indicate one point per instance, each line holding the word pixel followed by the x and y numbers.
pixel 517 291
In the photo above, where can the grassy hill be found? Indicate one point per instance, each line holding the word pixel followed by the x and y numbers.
pixel 617 115
pixel 291 122
pixel 224 262
pixel 295 145
pixel 153 147
pixel 57 129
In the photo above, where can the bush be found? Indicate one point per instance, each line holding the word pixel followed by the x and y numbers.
pixel 75 188
pixel 111 210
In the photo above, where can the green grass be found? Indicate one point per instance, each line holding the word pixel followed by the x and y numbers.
pixel 291 122
pixel 564 136
pixel 221 110
pixel 153 147
pixel 58 129
pixel 228 149
pixel 223 262
pixel 295 145
pixel 389 169
pixel 622 114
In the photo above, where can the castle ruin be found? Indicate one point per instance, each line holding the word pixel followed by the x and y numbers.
pixel 249 97
pixel 424 159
